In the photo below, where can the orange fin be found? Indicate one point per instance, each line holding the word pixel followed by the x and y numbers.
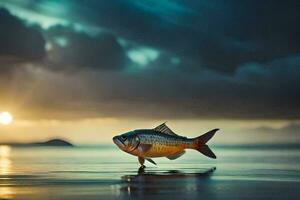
pixel 175 156
pixel 201 143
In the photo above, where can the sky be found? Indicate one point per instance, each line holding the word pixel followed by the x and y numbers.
pixel 88 70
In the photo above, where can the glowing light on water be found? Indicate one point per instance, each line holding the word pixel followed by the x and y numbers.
pixel 5 169
pixel 5 162
pixel 6 193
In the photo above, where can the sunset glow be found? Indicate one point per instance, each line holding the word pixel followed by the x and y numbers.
pixel 6 118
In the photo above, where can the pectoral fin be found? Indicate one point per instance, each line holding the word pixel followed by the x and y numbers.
pixel 145 147
pixel 175 156
pixel 150 160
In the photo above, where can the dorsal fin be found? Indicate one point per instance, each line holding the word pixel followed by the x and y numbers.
pixel 163 128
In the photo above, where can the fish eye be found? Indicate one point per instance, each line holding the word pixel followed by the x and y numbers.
pixel 123 137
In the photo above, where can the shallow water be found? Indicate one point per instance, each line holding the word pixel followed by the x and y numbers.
pixel 104 172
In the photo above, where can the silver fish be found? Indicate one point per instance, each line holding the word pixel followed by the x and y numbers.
pixel 161 142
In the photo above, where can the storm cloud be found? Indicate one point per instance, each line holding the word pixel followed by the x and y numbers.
pixel 162 94
pixel 71 48
pixel 162 59
pixel 19 40
pixel 215 34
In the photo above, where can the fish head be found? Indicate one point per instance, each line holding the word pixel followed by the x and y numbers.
pixel 127 142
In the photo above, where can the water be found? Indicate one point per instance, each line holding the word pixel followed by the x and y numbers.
pixel 104 172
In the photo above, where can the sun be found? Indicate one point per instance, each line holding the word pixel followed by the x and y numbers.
pixel 5 118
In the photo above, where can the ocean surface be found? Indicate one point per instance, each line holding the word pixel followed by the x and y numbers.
pixel 104 172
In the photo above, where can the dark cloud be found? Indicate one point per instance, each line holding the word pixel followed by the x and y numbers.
pixel 72 48
pixel 19 44
pixel 19 41
pixel 255 91
pixel 160 93
pixel 216 34
pixel 182 76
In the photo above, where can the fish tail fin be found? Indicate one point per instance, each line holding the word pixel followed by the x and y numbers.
pixel 201 146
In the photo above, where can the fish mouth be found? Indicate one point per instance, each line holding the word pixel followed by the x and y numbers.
pixel 118 142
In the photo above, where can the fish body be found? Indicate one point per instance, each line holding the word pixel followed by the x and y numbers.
pixel 161 142
pixel 162 145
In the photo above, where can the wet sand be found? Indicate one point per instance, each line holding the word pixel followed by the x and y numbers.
pixel 106 173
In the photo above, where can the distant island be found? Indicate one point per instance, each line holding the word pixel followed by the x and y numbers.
pixel 54 142
pixel 49 143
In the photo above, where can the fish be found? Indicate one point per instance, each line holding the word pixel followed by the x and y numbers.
pixel 161 141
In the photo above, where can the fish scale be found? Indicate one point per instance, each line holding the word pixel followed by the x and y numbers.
pixel 156 137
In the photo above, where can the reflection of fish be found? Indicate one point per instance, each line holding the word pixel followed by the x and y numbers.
pixel 161 142
pixel 151 183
